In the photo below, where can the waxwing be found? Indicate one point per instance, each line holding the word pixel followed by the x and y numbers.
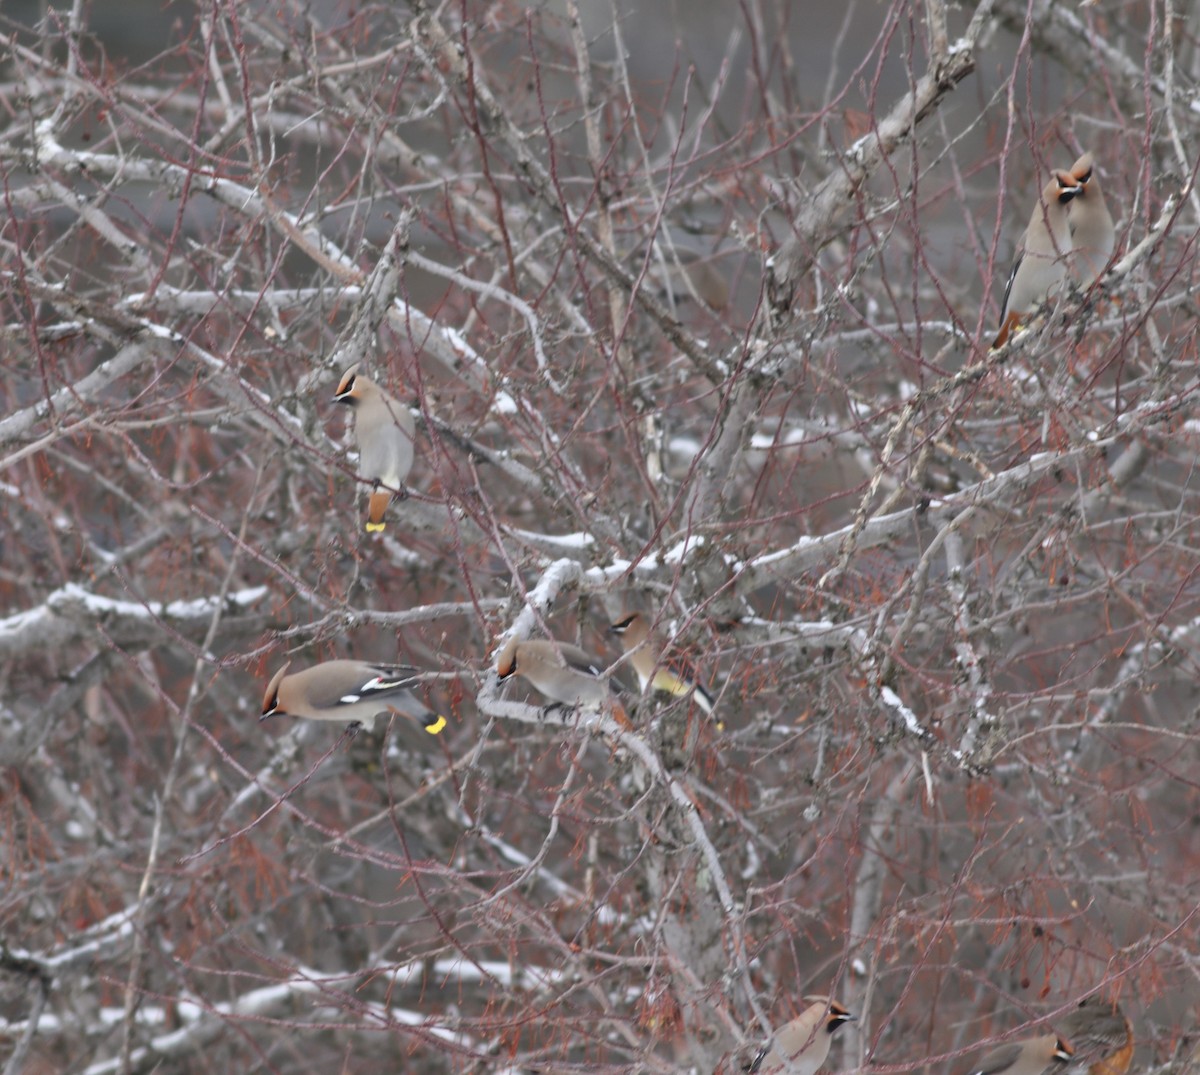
pixel 1033 1056
pixel 384 431
pixel 1040 267
pixel 563 673
pixel 801 1046
pixel 347 691
pixel 671 676
pixel 1101 1036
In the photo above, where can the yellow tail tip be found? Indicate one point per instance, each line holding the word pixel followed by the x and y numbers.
pixel 376 528
pixel 437 725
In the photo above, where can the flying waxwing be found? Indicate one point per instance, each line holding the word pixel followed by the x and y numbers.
pixel 1033 1056
pixel 563 673
pixel 1041 263
pixel 347 691
pixel 385 431
pixel 1092 231
pixel 1101 1036
pixel 672 677
pixel 801 1046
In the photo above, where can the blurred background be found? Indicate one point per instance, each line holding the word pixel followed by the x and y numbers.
pixel 691 304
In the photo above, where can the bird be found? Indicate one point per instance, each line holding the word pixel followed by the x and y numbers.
pixel 385 431
pixel 1040 266
pixel 563 673
pixel 1101 1036
pixel 674 677
pixel 801 1046
pixel 350 691
pixel 1033 1056
pixel 1092 233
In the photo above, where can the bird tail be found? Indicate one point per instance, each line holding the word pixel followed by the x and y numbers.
pixel 376 506
pixel 433 723
pixel 708 703
pixel 621 717
pixel 672 682
pixel 1006 329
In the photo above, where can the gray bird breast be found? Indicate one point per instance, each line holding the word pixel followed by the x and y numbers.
pixel 388 457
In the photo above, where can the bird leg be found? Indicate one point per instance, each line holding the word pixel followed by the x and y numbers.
pixel 558 707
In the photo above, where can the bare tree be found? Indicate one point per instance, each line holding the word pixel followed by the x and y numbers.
pixel 692 307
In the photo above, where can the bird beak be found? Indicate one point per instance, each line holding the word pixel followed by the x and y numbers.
pixel 840 1015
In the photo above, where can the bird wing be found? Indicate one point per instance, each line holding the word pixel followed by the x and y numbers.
pixel 580 661
pixel 379 681
pixel 1012 275
pixel 1093 1028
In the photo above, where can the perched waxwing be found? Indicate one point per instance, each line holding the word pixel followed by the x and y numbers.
pixel 1092 231
pixel 801 1046
pixel 347 691
pixel 1041 263
pixel 1033 1056
pixel 1101 1036
pixel 385 431
pixel 674 677
pixel 563 673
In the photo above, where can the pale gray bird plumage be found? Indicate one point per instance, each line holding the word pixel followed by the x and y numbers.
pixel 1040 268
pixel 563 673
pixel 347 691
pixel 801 1046
pixel 1033 1056
pixel 1092 231
pixel 384 431
pixel 672 676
